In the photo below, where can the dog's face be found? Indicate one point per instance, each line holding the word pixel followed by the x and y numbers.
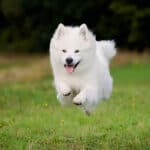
pixel 73 47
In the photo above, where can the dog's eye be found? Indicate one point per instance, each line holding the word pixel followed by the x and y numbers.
pixel 64 51
pixel 76 51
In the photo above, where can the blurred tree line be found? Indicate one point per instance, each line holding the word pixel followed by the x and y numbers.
pixel 27 25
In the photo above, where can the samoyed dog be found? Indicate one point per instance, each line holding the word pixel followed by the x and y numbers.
pixel 80 66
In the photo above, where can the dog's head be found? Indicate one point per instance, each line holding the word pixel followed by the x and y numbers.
pixel 72 47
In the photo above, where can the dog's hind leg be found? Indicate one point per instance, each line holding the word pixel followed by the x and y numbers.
pixel 88 98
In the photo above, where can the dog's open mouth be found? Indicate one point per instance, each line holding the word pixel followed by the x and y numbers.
pixel 71 68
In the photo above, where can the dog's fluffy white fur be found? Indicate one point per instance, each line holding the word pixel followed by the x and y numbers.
pixel 86 80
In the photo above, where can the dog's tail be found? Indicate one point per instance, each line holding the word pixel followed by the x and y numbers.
pixel 107 49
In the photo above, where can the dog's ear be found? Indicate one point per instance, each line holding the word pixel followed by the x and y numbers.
pixel 60 31
pixel 83 31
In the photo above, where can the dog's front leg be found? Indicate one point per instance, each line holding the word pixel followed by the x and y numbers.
pixel 88 98
pixel 63 88
pixel 64 93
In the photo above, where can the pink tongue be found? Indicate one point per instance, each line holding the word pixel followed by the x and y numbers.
pixel 69 69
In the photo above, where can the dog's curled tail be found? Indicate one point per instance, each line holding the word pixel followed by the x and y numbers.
pixel 107 49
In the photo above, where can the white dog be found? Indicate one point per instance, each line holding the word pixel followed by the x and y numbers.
pixel 81 66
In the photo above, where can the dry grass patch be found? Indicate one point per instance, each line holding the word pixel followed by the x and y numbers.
pixel 24 68
pixel 131 57
pixel 31 67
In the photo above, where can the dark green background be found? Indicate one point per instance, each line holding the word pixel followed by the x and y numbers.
pixel 27 25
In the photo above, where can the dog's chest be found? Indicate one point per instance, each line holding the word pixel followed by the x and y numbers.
pixel 77 83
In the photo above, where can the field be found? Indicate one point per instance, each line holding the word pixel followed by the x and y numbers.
pixel 32 119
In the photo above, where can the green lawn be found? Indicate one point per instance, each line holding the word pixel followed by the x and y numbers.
pixel 31 118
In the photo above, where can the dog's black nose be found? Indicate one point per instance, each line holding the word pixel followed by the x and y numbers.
pixel 69 60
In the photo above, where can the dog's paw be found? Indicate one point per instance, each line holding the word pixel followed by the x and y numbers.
pixel 79 99
pixel 77 103
pixel 67 94
pixel 88 113
pixel 65 91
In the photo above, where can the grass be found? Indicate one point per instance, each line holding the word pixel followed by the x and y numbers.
pixel 31 118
